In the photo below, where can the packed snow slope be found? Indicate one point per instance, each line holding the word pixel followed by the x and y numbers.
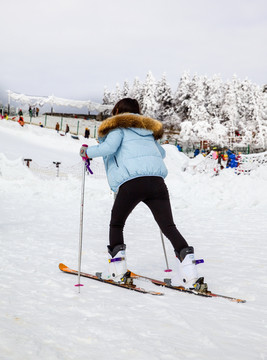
pixel 44 316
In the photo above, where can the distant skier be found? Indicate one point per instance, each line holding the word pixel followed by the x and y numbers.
pixel 135 170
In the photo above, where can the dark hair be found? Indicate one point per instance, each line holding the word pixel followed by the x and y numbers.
pixel 126 105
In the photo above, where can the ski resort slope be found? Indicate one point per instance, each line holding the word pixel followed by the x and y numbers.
pixel 44 316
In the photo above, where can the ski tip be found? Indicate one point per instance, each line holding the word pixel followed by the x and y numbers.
pixel 62 267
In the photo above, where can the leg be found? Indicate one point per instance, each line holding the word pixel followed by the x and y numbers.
pixel 160 206
pixel 126 200
pixel 159 203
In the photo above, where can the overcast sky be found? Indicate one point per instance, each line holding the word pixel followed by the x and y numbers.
pixel 74 48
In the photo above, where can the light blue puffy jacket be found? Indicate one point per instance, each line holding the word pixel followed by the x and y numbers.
pixel 129 152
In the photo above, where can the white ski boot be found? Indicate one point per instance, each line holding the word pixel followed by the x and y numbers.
pixel 188 278
pixel 117 266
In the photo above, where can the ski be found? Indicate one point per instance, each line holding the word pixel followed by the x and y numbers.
pixel 132 287
pixel 165 284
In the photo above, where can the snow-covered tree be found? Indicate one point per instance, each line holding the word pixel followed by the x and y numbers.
pixel 164 99
pixel 187 134
pixel 196 103
pixel 258 118
pixel 136 91
pixel 182 96
pixel 244 101
pixel 150 105
pixel 118 93
pixel 125 89
pixel 219 133
pixel 107 97
pixel 213 95
pixel 229 110
pixel 225 113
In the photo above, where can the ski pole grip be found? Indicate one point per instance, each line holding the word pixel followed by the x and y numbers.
pixel 85 157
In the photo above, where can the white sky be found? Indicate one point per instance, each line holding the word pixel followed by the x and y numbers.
pixel 74 48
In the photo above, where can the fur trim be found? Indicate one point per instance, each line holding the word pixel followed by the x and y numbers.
pixel 128 120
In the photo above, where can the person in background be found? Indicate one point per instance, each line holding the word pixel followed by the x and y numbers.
pixel 67 129
pixel 196 152
pixel 21 121
pixel 57 127
pixel 87 133
pixel 135 170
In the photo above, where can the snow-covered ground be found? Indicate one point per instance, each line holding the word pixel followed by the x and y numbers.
pixel 44 317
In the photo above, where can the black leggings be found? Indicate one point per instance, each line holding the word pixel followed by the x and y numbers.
pixel 153 191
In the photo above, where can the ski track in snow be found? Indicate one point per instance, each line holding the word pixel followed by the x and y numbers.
pixel 42 314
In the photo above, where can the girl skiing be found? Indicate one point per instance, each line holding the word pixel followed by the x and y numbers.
pixel 135 170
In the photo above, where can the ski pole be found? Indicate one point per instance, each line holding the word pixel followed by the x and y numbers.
pixel 86 165
pixel 165 254
pixel 81 228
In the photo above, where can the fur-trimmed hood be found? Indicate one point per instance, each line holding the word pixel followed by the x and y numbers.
pixel 128 120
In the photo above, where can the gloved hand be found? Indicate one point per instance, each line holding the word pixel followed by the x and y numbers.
pixel 83 153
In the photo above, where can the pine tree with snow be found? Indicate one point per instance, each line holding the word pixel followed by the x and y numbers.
pixel 229 111
pixel 214 94
pixel 136 92
pixel 107 97
pixel 164 98
pixel 125 89
pixel 196 103
pixel 182 96
pixel 245 108
pixel 150 105
pixel 118 93
pixel 260 132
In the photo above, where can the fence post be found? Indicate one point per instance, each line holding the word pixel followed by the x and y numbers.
pixel 95 132
pixel 57 163
pixel 61 123
pixel 28 162
pixel 248 149
pixel 45 119
pixel 78 127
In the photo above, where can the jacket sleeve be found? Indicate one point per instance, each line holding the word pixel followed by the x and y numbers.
pixel 161 150
pixel 108 147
